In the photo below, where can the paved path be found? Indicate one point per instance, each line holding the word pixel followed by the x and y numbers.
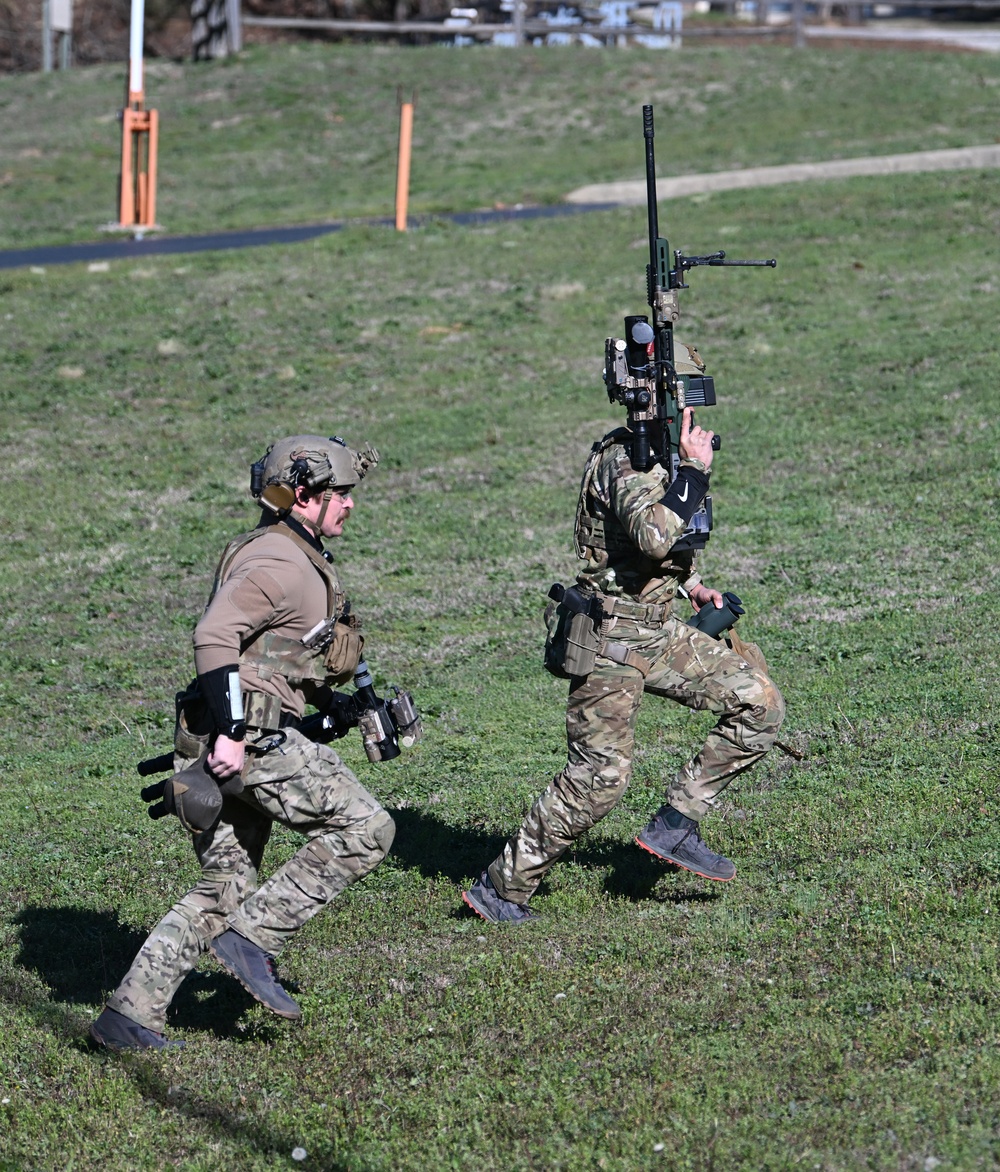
pixel 983 40
pixel 596 197
pixel 135 249
pixel 634 192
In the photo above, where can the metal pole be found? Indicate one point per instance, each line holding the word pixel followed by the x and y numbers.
pixel 403 165
pixel 137 181
pixel 519 6
pixel 46 38
pixel 798 18
pixel 234 25
pixel 135 79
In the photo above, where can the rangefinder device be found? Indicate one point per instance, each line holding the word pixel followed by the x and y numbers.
pixel 716 620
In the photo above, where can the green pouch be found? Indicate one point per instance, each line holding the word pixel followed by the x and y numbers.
pixel 573 640
pixel 344 652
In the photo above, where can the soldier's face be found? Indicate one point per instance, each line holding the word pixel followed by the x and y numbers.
pixel 337 511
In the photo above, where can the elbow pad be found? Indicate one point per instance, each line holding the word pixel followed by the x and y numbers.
pixel 220 689
pixel 686 493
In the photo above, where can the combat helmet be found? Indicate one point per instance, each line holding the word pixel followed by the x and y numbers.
pixel 309 461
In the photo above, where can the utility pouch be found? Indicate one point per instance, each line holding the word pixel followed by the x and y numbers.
pixel 343 654
pixel 582 644
pixel 748 652
pixel 573 621
pixel 262 710
pixel 193 726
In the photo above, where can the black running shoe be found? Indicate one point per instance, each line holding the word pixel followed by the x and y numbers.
pixel 114 1031
pixel 256 972
pixel 677 841
pixel 486 901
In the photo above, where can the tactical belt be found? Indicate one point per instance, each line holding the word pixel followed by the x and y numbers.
pixel 649 613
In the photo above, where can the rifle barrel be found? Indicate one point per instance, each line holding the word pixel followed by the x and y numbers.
pixel 654 227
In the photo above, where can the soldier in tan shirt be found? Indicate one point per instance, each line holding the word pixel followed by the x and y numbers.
pixel 273 587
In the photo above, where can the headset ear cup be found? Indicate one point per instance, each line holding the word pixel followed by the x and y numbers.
pixel 279 498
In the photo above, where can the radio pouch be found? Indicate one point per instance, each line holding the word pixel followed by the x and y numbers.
pixel 344 652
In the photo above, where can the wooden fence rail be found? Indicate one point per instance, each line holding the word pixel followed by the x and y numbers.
pixel 524 28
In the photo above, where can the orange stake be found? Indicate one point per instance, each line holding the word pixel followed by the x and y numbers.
pixel 403 166
pixel 137 191
pixel 137 180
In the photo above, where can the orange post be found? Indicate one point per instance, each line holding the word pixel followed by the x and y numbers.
pixel 403 165
pixel 137 182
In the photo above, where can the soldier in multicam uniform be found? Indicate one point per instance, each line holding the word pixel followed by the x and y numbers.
pixel 254 678
pixel 627 525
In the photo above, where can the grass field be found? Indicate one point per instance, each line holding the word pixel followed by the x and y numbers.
pixel 308 132
pixel 836 1006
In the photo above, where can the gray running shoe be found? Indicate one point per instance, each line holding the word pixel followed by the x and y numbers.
pixel 673 837
pixel 486 901
pixel 256 972
pixel 114 1031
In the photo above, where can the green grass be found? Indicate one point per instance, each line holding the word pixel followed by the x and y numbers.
pixel 835 1006
pixel 308 132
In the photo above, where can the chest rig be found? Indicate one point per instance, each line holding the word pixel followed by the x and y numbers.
pixel 326 655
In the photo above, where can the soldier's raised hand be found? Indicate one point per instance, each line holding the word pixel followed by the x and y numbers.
pixel 695 442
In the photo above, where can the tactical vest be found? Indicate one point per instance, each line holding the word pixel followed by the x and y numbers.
pixel 597 530
pixel 602 539
pixel 272 654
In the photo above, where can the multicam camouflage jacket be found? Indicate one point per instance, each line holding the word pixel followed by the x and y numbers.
pixel 624 533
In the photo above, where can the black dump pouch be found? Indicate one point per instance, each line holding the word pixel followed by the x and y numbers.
pixel 573 621
pixel 193 795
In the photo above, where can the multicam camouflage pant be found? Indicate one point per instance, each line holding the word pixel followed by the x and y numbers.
pixel 689 667
pixel 303 786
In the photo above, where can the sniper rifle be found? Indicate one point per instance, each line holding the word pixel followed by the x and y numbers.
pixel 640 370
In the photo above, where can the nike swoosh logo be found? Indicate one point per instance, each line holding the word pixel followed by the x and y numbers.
pixel 682 497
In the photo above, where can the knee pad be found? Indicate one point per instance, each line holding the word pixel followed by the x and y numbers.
pixel 775 707
pixel 369 840
pixel 381 829
pixel 762 709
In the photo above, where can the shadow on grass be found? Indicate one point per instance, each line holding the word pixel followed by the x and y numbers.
pixel 439 850
pixel 79 954
pixel 458 853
